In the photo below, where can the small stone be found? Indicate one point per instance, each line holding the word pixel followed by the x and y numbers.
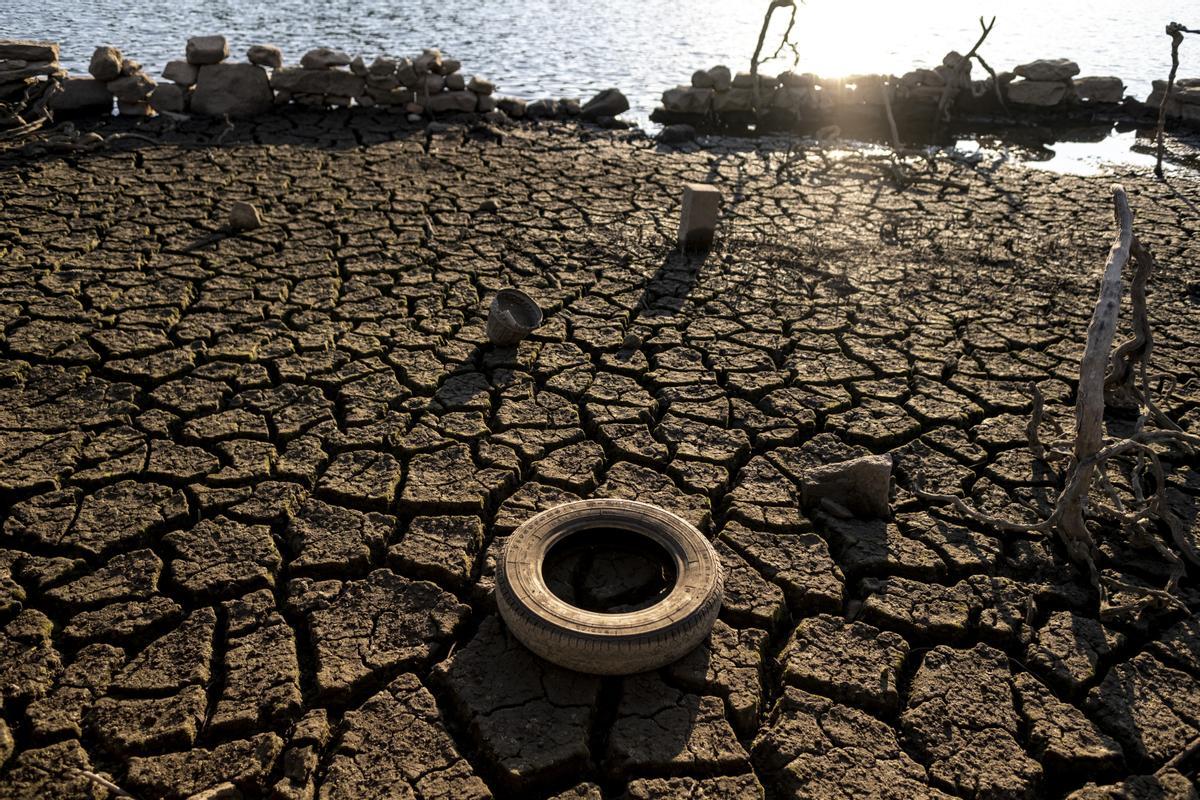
pixel 324 58
pixel 244 217
pixel 265 55
pixel 698 215
pixel 106 64
pixel 207 50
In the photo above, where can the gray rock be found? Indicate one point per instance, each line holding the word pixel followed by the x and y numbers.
pixel 244 217
pixel 720 78
pixel 318 81
pixel 1048 69
pixel 701 79
pixel 733 101
pixel 569 106
pixel 456 82
pixel 480 85
pixel 265 55
pixel 181 72
pixel 207 50
pixel 486 104
pixel 324 58
pixel 686 100
pixel 514 107
pixel 608 103
pixel 239 90
pixel 106 64
pixel 1095 89
pixel 27 50
pixel 133 89
pixel 542 108
pixel 860 485
pixel 676 134
pixel 1037 93
pixel 169 97
pixel 358 66
pixel 82 94
pixel 791 80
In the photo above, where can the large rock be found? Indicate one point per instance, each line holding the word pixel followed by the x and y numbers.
pixel 720 78
pixel 1037 93
pixel 135 88
pixel 860 485
pixel 324 58
pixel 1048 69
pixel 168 97
pixel 265 55
pixel 203 50
pixel 181 72
pixel 27 50
pixel 686 100
pixel 318 81
pixel 239 90
pixel 452 102
pixel 1100 89
pixel 607 103
pixel 106 64
pixel 82 94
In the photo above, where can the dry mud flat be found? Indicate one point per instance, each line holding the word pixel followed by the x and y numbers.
pixel 252 486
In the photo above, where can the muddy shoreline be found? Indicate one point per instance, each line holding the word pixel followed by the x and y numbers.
pixel 252 485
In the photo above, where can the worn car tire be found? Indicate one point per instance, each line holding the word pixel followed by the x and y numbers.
pixel 600 643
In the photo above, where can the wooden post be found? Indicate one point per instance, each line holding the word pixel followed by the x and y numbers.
pixel 698 216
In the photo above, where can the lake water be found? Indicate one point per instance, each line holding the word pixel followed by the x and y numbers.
pixel 535 48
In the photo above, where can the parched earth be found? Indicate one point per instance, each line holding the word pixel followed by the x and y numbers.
pixel 252 486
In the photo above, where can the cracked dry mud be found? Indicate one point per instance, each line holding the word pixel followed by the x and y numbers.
pixel 253 487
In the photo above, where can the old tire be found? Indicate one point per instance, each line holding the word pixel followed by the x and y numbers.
pixel 600 643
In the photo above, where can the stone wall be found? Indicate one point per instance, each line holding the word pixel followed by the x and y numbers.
pixel 206 82
pixel 1046 88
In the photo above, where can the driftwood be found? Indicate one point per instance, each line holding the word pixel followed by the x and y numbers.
pixel 1089 455
pixel 784 42
pixel 1176 32
pixel 960 79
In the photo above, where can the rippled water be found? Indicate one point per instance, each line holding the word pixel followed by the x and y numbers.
pixel 535 48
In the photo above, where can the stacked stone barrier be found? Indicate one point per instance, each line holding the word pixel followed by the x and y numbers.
pixel 1044 90
pixel 30 78
pixel 206 82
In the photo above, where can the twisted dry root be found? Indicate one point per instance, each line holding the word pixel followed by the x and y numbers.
pixel 1104 371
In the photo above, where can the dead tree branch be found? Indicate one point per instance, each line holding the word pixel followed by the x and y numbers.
pixel 762 35
pixel 960 80
pixel 1176 32
pixel 1102 369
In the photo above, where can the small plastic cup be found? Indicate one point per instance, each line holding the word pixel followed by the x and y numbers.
pixel 512 316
